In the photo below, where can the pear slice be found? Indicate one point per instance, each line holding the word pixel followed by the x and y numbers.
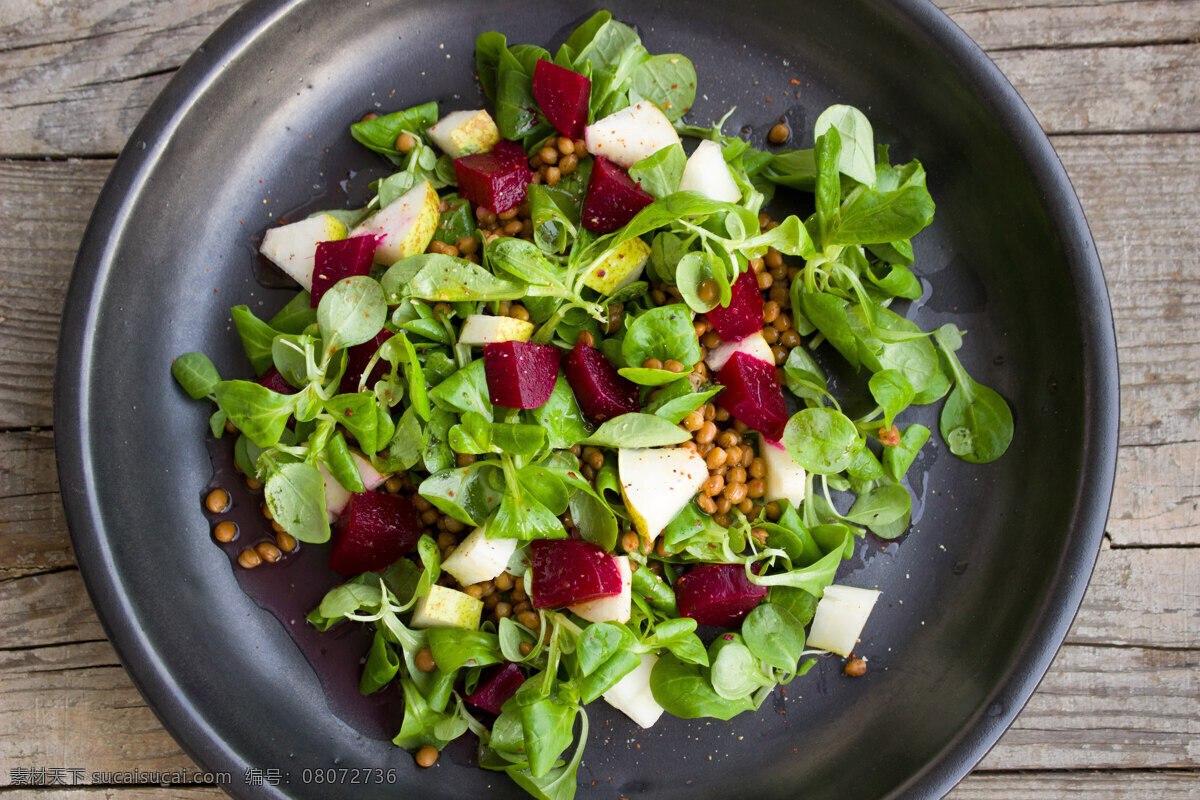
pixel 293 247
pixel 752 345
pixel 785 479
pixel 405 226
pixel 481 329
pixel 621 268
pixel 478 558
pixel 632 696
pixel 657 483
pixel 461 133
pixel 707 173
pixel 631 134
pixel 841 615
pixel 617 608
pixel 447 608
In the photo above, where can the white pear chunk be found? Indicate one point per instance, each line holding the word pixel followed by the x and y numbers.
pixel 293 247
pixel 631 134
pixel 447 608
pixel 785 479
pixel 481 329
pixel 337 497
pixel 657 482
pixel 617 608
pixel 753 345
pixel 461 133
pixel 632 696
pixel 707 173
pixel 405 226
pixel 840 617
pixel 622 267
pixel 478 558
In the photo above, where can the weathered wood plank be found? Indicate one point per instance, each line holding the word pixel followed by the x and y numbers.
pixel 74 706
pixel 1071 23
pixel 1141 597
pixel 78 84
pixel 45 208
pixel 32 525
pixel 1106 708
pixel 48 609
pixel 1156 496
pixel 1109 89
pixel 1138 194
pixel 1123 785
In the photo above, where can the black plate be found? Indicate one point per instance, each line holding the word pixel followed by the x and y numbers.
pixel 976 600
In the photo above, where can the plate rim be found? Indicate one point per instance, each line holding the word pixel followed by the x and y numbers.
pixel 137 161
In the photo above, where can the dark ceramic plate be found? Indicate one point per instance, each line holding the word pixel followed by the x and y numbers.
pixel 976 600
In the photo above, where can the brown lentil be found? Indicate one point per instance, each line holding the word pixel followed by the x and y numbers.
pixel 425 661
pixel 225 531
pixel 286 542
pixel 217 501
pixel 722 518
pixel 464 459
pixel 746 506
pixel 275 526
pixel 722 415
pixel 526 648
pixel 503 609
pixel 393 485
pixel 268 551
pixel 421 504
pixel 779 133
pixel 711 339
pixel 773 511
pixel 367 117
pixel 756 488
pixel 770 335
pixel 707 291
pixel 475 590
pixel 630 542
pixel 427 756
pixel 253 485
pixel 780 355
pixel 770 311
pixel 652 363
pixel 715 458
pixel 529 619
pixel 706 433
pixel 759 535
pixel 765 281
pixel 694 420
pixel 706 504
pixel 249 558
pixel 713 485
pixel 710 411
pixel 789 338
pixel 503 581
pixel 856 667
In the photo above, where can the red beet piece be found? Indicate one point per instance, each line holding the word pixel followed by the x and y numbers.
pixel 520 374
pixel 743 315
pixel 612 198
pixel 752 394
pixel 373 531
pixel 494 690
pixel 719 594
pixel 563 96
pixel 344 258
pixel 567 572
pixel 357 358
pixel 601 392
pixel 495 180
pixel 274 380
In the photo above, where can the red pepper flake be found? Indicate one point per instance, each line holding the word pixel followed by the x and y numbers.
pixel 795 82
pixel 889 437
pixel 768 99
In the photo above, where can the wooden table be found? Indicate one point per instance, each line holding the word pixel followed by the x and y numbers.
pixel 1116 83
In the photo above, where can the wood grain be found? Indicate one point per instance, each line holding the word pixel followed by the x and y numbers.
pixel 1041 25
pixel 1097 785
pixel 77 80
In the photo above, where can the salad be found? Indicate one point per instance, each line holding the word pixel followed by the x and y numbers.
pixel 534 397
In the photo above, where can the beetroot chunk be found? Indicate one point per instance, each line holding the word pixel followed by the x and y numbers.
pixel 344 258
pixel 494 690
pixel 612 198
pixel 373 531
pixel 520 374
pixel 357 358
pixel 743 315
pixel 273 379
pixel 563 96
pixel 567 572
pixel 752 394
pixel 601 392
pixel 719 594
pixel 496 180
